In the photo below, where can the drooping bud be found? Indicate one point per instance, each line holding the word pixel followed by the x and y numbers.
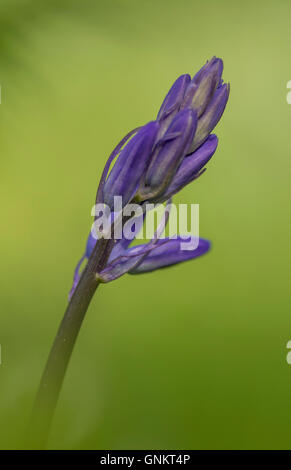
pixel 167 253
pixel 170 151
pixel 130 165
pixel 126 258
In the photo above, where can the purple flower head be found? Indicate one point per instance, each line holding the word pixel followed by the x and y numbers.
pixel 146 167
pixel 156 161
pixel 182 133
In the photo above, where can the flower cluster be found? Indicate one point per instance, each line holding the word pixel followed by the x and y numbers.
pixel 156 161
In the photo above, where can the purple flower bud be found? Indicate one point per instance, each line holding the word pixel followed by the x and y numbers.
pixel 168 252
pixel 213 65
pixel 203 85
pixel 171 150
pixel 174 98
pixel 191 166
pixel 125 259
pixel 129 167
pixel 152 256
pixel 211 116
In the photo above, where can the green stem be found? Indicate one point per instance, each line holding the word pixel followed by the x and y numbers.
pixel 59 357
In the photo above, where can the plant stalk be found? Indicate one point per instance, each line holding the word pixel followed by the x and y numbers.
pixel 59 357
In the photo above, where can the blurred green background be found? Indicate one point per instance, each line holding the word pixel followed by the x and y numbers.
pixel 192 357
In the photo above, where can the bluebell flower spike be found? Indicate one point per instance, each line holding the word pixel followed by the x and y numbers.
pixel 157 160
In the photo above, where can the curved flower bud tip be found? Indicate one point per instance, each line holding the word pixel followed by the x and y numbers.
pixel 211 70
pixel 203 86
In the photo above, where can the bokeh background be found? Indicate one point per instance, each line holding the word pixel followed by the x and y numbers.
pixel 191 357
